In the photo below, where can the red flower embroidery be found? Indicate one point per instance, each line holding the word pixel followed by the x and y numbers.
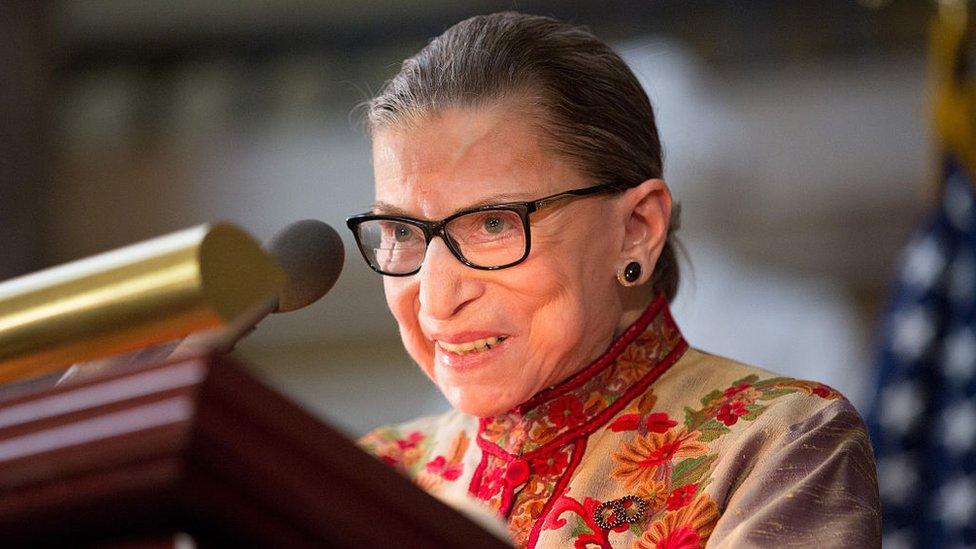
pixel 566 412
pixel 683 537
pixel 687 528
pixel 730 412
pixel 550 464
pixel 627 422
pixel 452 472
pixel 491 484
pixel 411 441
pixel 664 453
pixel 736 389
pixel 682 496
pixel 440 466
pixel 659 422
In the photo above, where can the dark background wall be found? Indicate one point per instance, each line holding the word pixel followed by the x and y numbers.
pixel 25 139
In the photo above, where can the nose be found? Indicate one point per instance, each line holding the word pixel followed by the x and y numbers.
pixel 446 285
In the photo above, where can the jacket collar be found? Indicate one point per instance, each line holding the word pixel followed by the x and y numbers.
pixel 588 399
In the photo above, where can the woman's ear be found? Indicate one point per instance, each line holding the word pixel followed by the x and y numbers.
pixel 647 213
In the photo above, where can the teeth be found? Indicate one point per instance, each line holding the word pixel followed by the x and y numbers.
pixel 477 346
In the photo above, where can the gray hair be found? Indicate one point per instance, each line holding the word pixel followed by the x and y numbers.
pixel 593 110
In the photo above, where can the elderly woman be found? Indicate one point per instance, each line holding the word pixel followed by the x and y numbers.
pixel 525 238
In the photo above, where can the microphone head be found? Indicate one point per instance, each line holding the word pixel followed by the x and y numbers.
pixel 311 253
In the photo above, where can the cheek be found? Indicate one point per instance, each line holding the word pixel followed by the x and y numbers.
pixel 576 268
pixel 550 294
pixel 401 298
pixel 572 291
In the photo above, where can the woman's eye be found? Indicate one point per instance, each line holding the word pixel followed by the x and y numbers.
pixel 494 224
pixel 402 233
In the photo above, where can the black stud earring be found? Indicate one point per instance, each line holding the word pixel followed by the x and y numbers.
pixel 630 274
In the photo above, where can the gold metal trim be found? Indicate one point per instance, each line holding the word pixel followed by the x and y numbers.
pixel 954 97
pixel 141 295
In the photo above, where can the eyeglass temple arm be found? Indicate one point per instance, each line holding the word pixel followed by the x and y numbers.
pixel 607 187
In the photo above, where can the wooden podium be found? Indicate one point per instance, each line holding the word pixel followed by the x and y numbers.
pixel 202 449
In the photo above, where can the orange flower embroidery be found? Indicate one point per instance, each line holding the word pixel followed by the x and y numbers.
pixel 655 493
pixel 639 461
pixel 632 364
pixel 522 520
pixel 688 528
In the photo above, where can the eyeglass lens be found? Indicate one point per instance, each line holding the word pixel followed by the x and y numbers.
pixel 487 238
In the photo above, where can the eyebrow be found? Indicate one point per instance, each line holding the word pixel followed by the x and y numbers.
pixel 384 208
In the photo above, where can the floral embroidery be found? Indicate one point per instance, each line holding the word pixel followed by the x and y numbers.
pixel 746 399
pixel 550 464
pixel 655 494
pixel 652 423
pixel 688 528
pixel 410 454
pixel 522 522
pixel 571 411
pixel 668 465
pixel 404 453
pixel 450 467
pixel 492 483
pixel 412 440
pixel 566 412
pixel 682 496
pixel 586 532
pixel 440 466
pixel 736 388
pixel 730 412
pixel 640 418
pixel 529 506
pixel 639 462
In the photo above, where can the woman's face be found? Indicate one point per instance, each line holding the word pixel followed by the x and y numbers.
pixel 551 314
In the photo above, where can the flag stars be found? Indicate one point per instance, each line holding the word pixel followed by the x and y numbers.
pixel 959 351
pixel 897 479
pixel 925 411
pixel 924 262
pixel 959 427
pixel 956 502
pixel 912 331
pixel 901 406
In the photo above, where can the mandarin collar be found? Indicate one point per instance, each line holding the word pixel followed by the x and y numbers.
pixel 588 399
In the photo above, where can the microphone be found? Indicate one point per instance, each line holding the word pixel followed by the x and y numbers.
pixel 311 254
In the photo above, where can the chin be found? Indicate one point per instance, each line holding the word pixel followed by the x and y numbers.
pixel 478 405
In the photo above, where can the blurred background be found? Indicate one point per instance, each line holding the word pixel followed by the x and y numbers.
pixel 796 137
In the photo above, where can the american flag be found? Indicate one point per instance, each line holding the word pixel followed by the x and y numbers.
pixel 923 421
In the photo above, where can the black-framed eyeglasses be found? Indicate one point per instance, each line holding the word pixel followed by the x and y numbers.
pixel 489 237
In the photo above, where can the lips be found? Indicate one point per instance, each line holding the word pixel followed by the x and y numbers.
pixel 472 346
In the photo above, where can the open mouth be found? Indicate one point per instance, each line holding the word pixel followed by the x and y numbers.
pixel 477 346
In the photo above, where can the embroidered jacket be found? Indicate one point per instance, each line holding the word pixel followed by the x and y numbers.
pixel 657 445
